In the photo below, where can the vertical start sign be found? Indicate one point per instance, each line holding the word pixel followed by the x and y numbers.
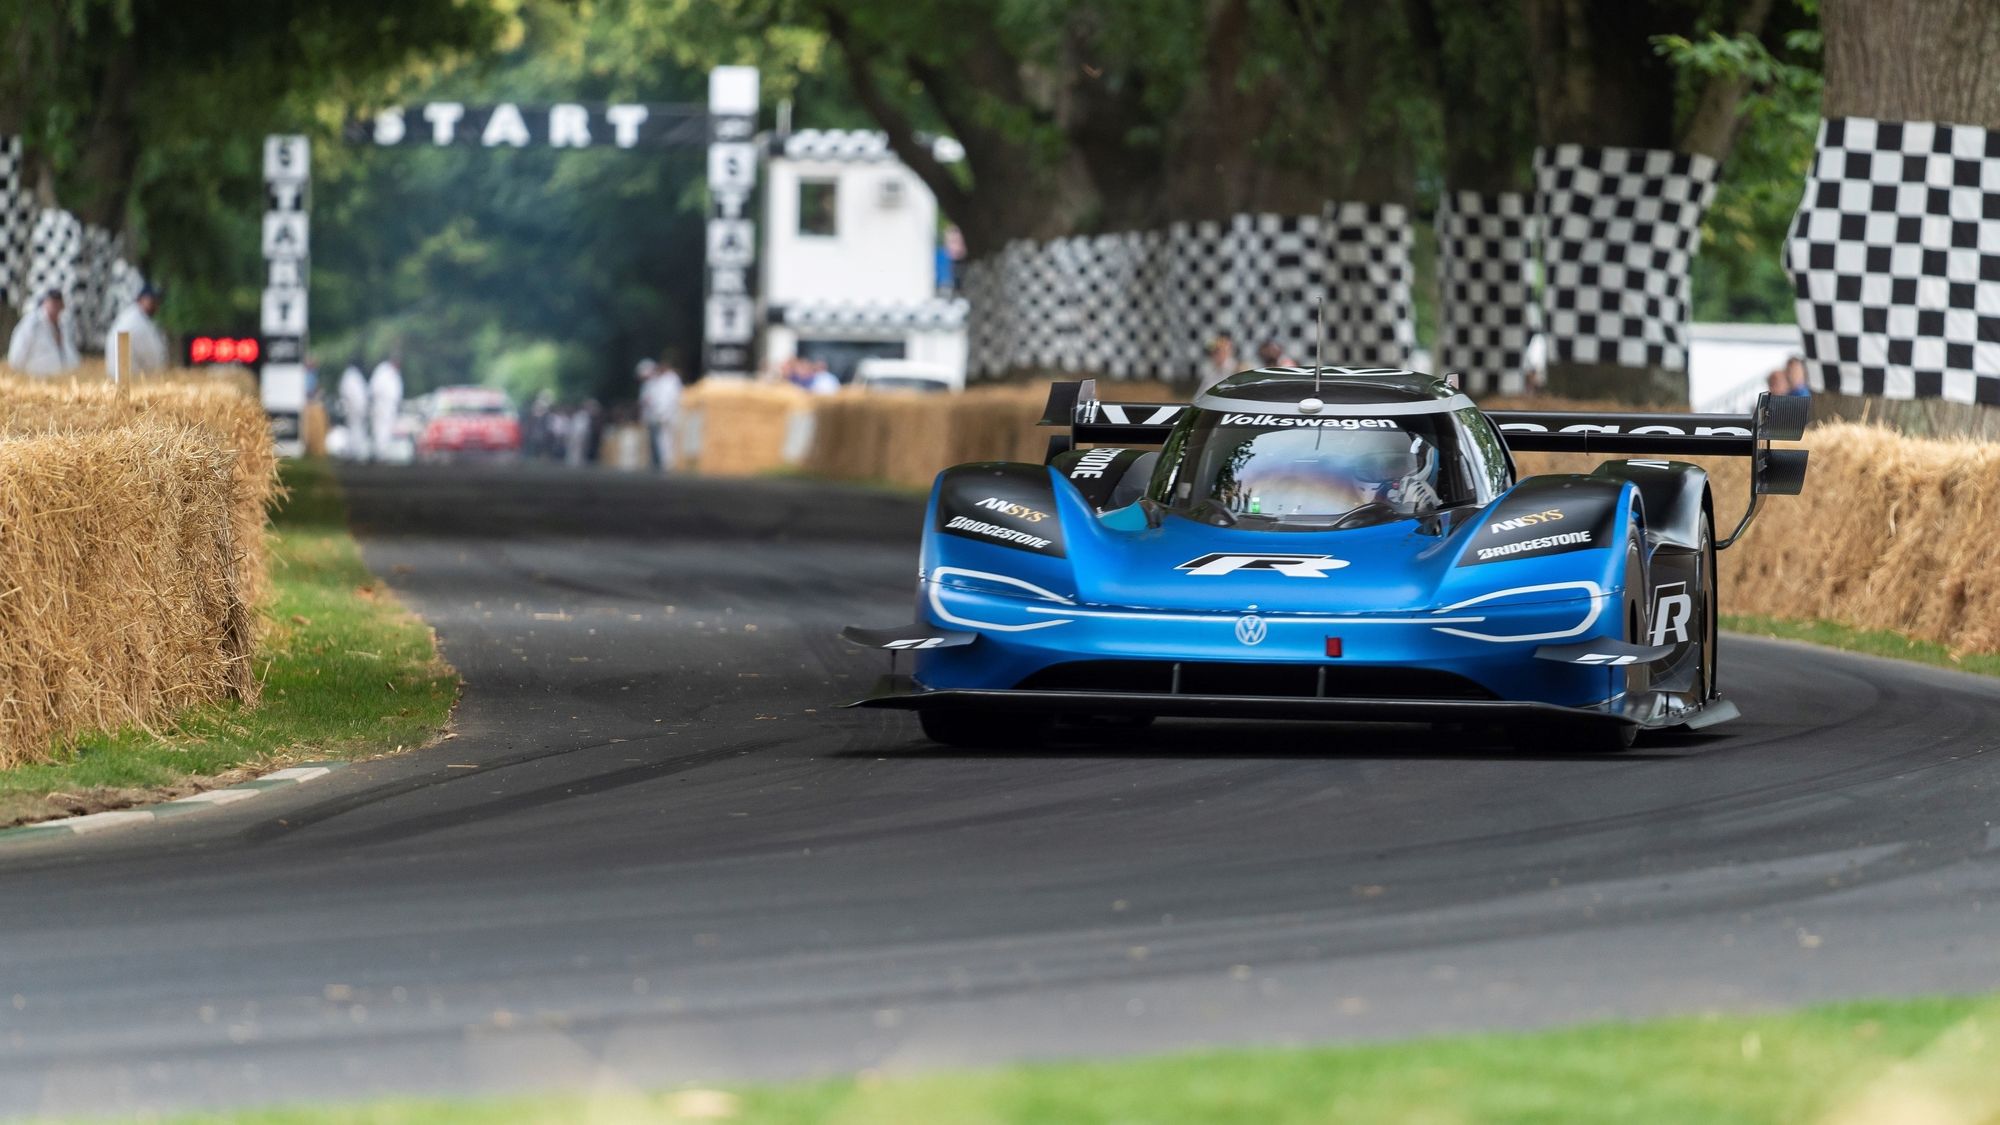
pixel 729 320
pixel 287 245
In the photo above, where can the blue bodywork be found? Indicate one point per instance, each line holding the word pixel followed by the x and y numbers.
pixel 1340 543
pixel 1394 595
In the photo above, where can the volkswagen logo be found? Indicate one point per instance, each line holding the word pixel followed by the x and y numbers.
pixel 1250 629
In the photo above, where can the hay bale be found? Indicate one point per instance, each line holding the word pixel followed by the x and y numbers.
pixel 739 428
pixel 224 406
pixel 120 603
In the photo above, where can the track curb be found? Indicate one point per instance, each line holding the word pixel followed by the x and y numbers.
pixel 92 824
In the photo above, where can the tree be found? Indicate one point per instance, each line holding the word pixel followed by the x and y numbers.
pixel 1913 60
pixel 1602 81
pixel 133 100
pixel 1910 65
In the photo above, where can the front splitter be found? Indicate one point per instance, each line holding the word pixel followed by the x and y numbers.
pixel 903 693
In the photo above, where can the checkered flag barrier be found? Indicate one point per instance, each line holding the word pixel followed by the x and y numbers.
pixel 1619 229
pixel 1146 304
pixel 53 251
pixel 987 351
pixel 1201 293
pixel 1487 312
pixel 1895 257
pixel 95 296
pixel 1367 274
pixel 17 226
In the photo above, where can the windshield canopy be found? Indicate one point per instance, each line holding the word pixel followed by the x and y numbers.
pixel 1308 473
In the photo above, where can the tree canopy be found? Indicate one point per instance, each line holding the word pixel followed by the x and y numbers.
pixel 1076 116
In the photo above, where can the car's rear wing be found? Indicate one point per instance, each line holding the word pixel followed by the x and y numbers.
pixel 1094 422
pixel 1773 472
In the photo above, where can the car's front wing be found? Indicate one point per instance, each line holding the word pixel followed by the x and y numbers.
pixel 1648 709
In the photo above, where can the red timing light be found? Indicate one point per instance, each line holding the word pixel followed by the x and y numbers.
pixel 223 349
pixel 1333 646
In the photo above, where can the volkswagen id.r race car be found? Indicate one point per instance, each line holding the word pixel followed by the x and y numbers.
pixel 1334 543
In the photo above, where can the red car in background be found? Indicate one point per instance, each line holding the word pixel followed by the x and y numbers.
pixel 470 421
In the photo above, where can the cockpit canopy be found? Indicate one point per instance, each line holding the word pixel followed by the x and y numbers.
pixel 1275 452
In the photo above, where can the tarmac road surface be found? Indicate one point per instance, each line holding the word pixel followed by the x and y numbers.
pixel 656 854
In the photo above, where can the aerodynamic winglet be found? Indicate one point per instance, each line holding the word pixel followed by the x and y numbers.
pixel 906 638
pixel 1603 651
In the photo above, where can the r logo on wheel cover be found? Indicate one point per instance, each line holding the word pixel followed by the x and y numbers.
pixel 1250 629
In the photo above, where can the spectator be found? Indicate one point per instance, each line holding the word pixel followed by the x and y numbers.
pixel 950 252
pixel 149 345
pixel 580 435
pixel 798 372
pixel 660 409
pixel 43 344
pixel 1272 354
pixel 820 379
pixel 385 402
pixel 1221 362
pixel 1796 383
pixel 1535 364
pixel 354 409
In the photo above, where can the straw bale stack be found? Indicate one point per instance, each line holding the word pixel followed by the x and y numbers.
pixel 227 408
pixel 1892 533
pixel 120 603
pixel 735 428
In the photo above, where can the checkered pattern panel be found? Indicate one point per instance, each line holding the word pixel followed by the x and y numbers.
pixel 1367 275
pixel 1107 343
pixel 1074 261
pixel 17 226
pixel 1279 266
pixel 94 297
pixel 987 350
pixel 1157 323
pixel 53 250
pixel 1201 293
pixel 1038 286
pixel 1895 255
pixel 1619 228
pixel 1147 304
pixel 1487 312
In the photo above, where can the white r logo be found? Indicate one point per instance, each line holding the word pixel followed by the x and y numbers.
pixel 1291 566
pixel 1670 615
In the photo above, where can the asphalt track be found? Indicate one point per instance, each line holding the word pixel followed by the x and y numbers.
pixel 656 854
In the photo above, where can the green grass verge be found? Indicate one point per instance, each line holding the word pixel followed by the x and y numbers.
pixel 1874 642
pixel 1911 1060
pixel 347 673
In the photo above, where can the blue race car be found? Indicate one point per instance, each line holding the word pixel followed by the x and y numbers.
pixel 1335 543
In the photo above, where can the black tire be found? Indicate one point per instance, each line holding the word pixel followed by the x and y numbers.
pixel 982 730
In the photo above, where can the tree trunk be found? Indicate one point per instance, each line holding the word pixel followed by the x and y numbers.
pixel 1600 83
pixel 99 187
pixel 1913 60
pixel 1932 61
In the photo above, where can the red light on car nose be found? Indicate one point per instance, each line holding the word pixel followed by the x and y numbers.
pixel 1333 646
pixel 201 350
